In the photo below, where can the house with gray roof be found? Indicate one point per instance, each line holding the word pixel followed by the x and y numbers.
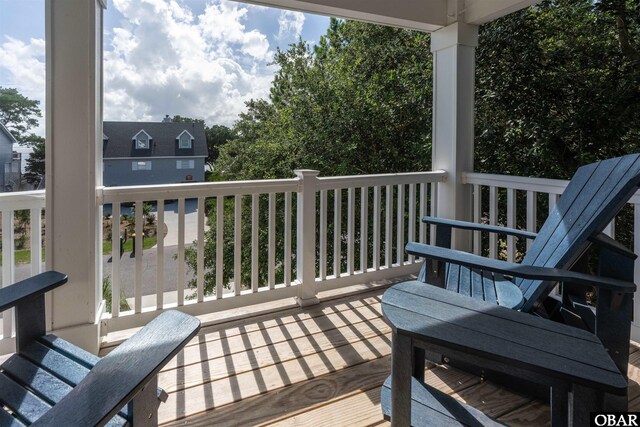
pixel 9 161
pixel 145 153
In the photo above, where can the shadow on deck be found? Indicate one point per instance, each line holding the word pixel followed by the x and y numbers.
pixel 323 365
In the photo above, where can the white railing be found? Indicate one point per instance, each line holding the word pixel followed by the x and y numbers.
pixel 533 191
pixel 232 244
pixel 20 210
pixel 261 242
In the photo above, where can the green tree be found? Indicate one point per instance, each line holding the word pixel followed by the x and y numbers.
pixel 341 107
pixel 34 169
pixel 557 86
pixel 180 119
pixel 555 89
pixel 19 114
pixel 335 108
pixel 217 136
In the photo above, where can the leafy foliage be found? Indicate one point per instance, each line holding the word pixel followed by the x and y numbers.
pixel 363 89
pixel 34 170
pixel 19 114
pixel 557 86
pixel 555 90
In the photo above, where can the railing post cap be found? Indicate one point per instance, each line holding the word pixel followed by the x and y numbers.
pixel 300 173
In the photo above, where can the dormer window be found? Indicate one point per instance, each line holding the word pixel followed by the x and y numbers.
pixel 185 140
pixel 142 140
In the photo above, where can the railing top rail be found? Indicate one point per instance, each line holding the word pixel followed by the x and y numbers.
pixel 337 182
pixel 22 200
pixel 195 190
pixel 543 185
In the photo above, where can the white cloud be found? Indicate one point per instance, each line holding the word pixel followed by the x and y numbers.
pixel 163 60
pixel 290 24
pixel 24 65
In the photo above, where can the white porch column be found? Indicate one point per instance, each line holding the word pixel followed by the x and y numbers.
pixel 306 237
pixel 74 165
pixel 453 50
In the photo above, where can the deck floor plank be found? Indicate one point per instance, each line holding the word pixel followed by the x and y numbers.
pixel 319 366
pixel 255 358
pixel 279 334
pixel 265 321
pixel 232 389
pixel 493 400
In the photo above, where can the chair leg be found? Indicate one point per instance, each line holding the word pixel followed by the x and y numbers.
pixel 582 402
pixel 559 406
pixel 145 405
pixel 418 364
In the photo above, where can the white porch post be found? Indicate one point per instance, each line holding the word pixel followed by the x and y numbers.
pixel 453 50
pixel 74 165
pixel 306 237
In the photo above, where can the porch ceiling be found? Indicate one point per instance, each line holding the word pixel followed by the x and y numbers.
pixel 425 15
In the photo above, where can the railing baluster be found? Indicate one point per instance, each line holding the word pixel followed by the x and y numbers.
pixel 388 227
pixel 271 277
pixel 400 225
pixel 160 254
pixel 493 216
pixel 8 267
pixel 477 217
pixel 219 246
pixel 8 248
pixel 433 212
pixel 412 218
pixel 553 199
pixel 422 229
pixel 337 232
pixel 237 245
pixel 511 223
pixel 636 264
pixel 181 269
pixel 323 235
pixel 200 253
pixel 138 250
pixel 364 228
pixel 610 229
pixel 532 214
pixel 255 210
pixel 376 227
pixel 287 238
pixel 36 240
pixel 115 259
pixel 351 194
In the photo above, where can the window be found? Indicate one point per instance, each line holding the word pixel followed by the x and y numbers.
pixel 185 164
pixel 142 140
pixel 184 140
pixel 141 166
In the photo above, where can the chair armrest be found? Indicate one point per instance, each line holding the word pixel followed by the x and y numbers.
pixel 30 288
pixel 517 270
pixel 602 240
pixel 119 376
pixel 465 225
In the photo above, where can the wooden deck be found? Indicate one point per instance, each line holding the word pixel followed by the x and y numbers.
pixel 321 366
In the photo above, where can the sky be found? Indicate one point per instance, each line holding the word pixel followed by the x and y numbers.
pixel 194 58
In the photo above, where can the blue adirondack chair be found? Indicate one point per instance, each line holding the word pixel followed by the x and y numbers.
pixel 593 197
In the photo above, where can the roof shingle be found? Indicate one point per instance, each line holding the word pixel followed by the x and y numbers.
pixel 119 139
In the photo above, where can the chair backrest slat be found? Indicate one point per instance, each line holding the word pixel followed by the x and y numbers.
pixel 592 199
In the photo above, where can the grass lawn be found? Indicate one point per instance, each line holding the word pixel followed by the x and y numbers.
pixel 147 243
pixel 23 256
